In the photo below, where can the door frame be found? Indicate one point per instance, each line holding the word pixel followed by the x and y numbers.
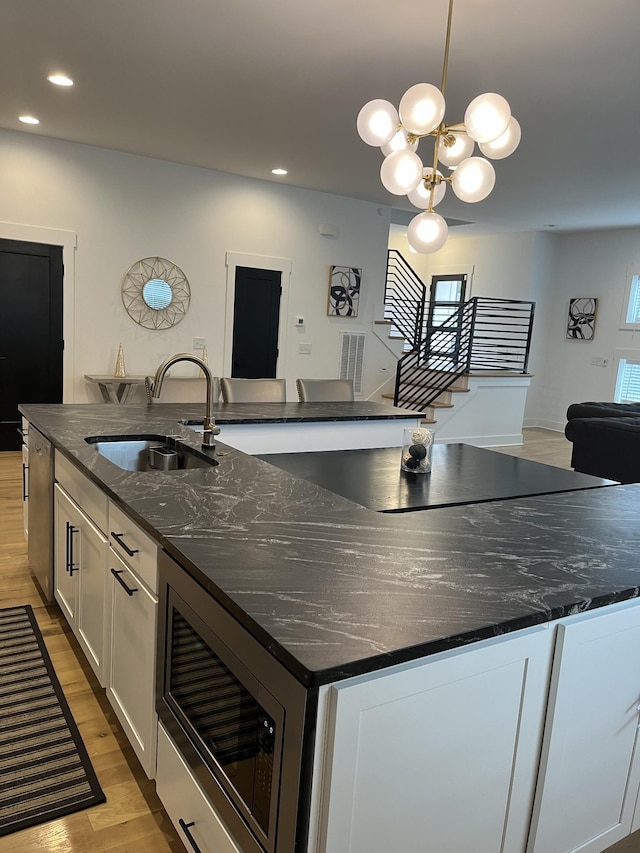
pixel 260 262
pixel 69 242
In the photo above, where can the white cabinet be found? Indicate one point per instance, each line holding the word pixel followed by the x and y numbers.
pixel 80 560
pixel 132 631
pixel 590 772
pixel 190 811
pixel 437 755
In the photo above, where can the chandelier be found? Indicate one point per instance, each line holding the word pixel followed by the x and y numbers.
pixel 487 122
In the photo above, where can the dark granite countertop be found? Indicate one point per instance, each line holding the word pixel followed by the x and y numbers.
pixel 334 589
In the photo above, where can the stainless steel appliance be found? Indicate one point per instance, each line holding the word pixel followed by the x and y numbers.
pixel 40 547
pixel 242 722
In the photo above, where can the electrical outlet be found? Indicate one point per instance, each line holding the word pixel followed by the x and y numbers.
pixel 199 343
pixel 304 349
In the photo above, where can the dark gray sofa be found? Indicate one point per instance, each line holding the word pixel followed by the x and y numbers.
pixel 606 440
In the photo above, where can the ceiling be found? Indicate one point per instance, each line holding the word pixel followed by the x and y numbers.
pixel 243 86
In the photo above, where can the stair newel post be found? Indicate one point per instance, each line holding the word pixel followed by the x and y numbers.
pixel 417 334
pixel 396 391
pixel 529 333
pixel 472 328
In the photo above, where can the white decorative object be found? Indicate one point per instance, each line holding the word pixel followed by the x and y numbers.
pixel 417 448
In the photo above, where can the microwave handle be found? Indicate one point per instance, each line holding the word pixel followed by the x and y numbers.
pixel 186 827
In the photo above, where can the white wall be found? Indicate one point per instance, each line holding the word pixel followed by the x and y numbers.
pixel 124 207
pixel 594 264
pixel 502 266
pixel 550 269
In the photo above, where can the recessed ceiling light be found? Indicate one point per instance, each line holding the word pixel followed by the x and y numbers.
pixel 279 172
pixel 60 80
pixel 29 119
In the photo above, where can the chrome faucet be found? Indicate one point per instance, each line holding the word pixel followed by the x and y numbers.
pixel 210 428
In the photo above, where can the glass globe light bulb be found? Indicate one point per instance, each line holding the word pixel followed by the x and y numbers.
pixel 377 122
pixel 487 117
pixel 427 232
pixel 399 142
pixel 505 144
pixel 474 179
pixel 421 195
pixel 422 108
pixel 401 171
pixel 451 155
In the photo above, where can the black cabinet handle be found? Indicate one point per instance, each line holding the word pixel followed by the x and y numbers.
pixel 25 468
pixel 128 589
pixel 67 549
pixel 70 531
pixel 118 538
pixel 185 827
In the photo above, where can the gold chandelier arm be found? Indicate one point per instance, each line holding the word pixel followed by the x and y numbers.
pixel 445 63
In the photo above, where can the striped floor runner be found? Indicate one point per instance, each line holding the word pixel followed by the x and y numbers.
pixel 45 771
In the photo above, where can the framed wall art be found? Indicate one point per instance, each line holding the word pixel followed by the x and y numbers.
pixel 344 291
pixel 581 322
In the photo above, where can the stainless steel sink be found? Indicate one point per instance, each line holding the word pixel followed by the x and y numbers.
pixel 149 452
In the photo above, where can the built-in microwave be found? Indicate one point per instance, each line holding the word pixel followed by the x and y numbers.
pixel 241 720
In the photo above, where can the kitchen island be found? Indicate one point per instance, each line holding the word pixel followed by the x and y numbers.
pixel 349 600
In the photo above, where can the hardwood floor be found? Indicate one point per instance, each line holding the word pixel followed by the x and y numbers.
pixel 542 445
pixel 132 820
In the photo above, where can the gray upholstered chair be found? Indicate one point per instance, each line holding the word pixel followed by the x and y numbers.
pixel 182 390
pixel 324 390
pixel 253 390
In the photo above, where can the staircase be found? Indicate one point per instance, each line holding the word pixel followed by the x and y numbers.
pixel 480 337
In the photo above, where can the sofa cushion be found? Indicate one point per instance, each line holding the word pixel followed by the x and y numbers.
pixel 603 410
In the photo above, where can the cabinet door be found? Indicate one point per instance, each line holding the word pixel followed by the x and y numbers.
pixel 590 772
pixel 65 561
pixel 80 566
pixel 440 756
pixel 91 560
pixel 131 682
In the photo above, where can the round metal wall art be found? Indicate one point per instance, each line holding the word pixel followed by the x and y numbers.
pixel 156 293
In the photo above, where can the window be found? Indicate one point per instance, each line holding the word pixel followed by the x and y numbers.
pixel 630 318
pixel 628 379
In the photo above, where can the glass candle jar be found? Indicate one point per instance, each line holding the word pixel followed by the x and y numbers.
pixel 417 447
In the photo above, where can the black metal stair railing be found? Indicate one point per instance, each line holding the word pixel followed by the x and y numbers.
pixel 404 299
pixel 482 335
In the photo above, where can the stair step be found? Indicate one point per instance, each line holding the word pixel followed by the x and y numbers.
pixel 434 405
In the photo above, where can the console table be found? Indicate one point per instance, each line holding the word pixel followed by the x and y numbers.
pixel 115 389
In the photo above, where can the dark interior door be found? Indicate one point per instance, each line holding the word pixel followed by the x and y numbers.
pixel 256 316
pixel 30 331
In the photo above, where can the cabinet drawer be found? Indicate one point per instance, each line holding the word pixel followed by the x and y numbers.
pixel 86 494
pixel 134 546
pixel 186 804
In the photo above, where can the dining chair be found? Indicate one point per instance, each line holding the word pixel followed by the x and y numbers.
pixel 253 390
pixel 324 390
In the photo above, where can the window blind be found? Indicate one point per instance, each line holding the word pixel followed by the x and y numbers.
pixel 629 382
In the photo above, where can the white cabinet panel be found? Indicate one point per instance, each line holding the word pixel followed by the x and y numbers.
pixel 25 489
pixel 80 559
pixel 443 753
pixel 590 772
pixel 132 660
